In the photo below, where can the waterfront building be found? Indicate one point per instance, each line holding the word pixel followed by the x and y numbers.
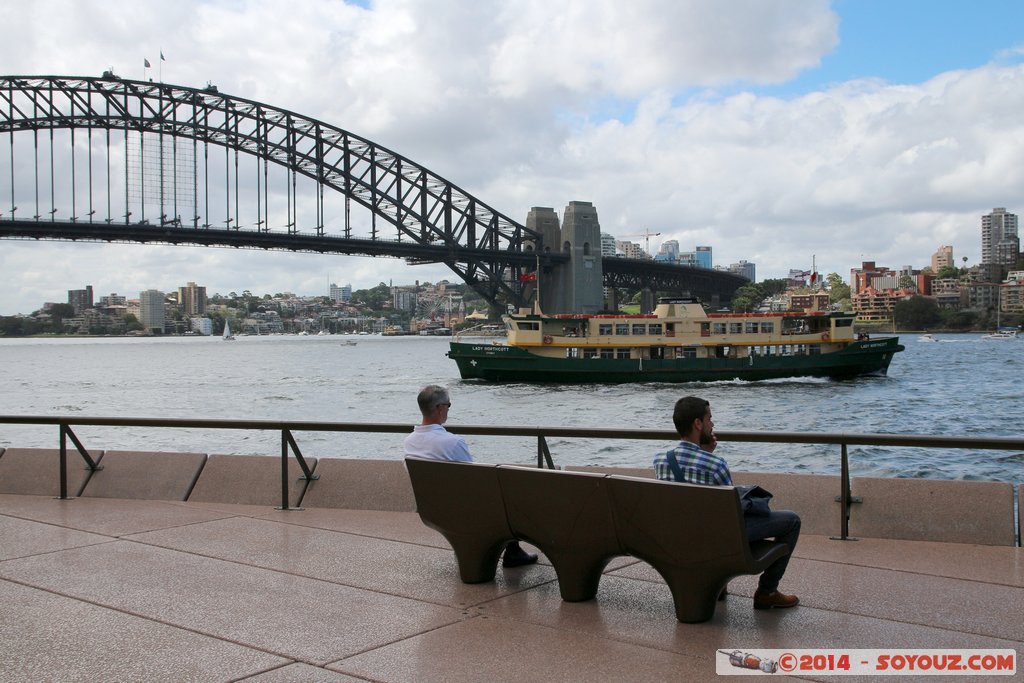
pixel 607 245
pixel 864 277
pixel 112 299
pixel 151 310
pixel 817 301
pixel 1000 243
pixel 342 293
pixel 942 257
pixel 979 296
pixel 192 299
pixel 80 299
pixel 1011 299
pixel 873 306
pixel 629 249
pixel 404 298
pixel 744 269
pixel 703 257
pixel 203 326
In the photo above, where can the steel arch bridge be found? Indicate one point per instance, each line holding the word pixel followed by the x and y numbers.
pixel 135 161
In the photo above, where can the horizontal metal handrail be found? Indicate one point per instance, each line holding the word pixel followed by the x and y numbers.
pixel 837 438
pixel 288 443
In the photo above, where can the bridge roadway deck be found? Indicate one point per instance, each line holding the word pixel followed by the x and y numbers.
pixel 101 589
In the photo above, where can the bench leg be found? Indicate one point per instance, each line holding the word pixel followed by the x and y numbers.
pixel 695 595
pixel 578 577
pixel 477 560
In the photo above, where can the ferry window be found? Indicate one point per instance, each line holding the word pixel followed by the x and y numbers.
pixel 639 329
pixel 622 353
pixel 590 353
pixel 572 352
pixel 844 322
pixel 670 329
pixel 657 353
pixel 722 351
pixel 750 328
pixel 621 328
pixel 654 329
pixel 604 328
pixel 607 353
pixel 735 328
pixel 529 326
pixel 705 329
pixel 718 328
pixel 767 328
pixel 687 352
pixel 814 349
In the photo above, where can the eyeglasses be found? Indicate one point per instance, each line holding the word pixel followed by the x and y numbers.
pixel 446 405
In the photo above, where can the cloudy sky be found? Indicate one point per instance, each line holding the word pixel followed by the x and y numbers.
pixel 774 131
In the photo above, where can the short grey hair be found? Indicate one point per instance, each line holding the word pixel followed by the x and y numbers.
pixel 430 397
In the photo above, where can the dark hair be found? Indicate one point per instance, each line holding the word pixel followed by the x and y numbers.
pixel 688 409
pixel 430 397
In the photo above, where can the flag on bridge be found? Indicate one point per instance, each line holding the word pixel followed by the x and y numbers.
pixel 146 63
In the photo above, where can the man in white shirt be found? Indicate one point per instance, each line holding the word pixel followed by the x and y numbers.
pixel 430 439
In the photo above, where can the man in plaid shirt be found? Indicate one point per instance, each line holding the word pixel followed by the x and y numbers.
pixel 697 464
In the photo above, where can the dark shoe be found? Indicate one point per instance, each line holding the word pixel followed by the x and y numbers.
pixel 773 600
pixel 517 557
pixel 721 596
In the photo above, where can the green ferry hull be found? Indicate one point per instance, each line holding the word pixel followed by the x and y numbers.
pixel 503 363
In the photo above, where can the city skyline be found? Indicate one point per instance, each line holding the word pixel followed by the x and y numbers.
pixel 883 132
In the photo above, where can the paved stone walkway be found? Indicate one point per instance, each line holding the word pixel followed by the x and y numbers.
pixel 95 589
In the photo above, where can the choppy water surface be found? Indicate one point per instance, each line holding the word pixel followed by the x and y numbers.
pixel 961 386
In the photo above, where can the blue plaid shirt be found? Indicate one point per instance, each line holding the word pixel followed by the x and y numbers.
pixel 698 466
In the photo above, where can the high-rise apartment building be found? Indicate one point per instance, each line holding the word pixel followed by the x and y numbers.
pixel 743 268
pixel 942 258
pixel 151 309
pixel 192 299
pixel 703 255
pixel 1000 243
pixel 80 299
pixel 342 293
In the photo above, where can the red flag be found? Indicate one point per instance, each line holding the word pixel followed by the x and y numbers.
pixel 814 278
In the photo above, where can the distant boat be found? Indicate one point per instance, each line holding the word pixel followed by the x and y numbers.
pixel 1002 333
pixel 927 338
pixel 227 332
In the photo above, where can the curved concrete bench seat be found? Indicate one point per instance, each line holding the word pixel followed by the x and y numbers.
pixel 694 536
pixel 567 516
pixel 462 501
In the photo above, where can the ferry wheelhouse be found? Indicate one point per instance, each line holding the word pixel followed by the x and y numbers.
pixel 679 342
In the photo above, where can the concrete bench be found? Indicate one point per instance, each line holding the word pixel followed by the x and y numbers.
pixel 462 501
pixel 694 536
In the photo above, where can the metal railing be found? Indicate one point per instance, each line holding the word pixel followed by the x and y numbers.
pixel 544 459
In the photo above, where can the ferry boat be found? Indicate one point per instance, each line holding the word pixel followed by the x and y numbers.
pixel 679 342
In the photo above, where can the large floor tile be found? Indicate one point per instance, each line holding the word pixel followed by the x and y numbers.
pixel 309 620
pixel 984 563
pixel 48 637
pixel 23 537
pixel 301 673
pixel 495 649
pixel 414 571
pixel 954 604
pixel 108 516
pixel 641 612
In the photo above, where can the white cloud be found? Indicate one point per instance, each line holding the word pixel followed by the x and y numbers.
pixel 527 103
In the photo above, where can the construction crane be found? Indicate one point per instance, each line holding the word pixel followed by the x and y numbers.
pixel 647 235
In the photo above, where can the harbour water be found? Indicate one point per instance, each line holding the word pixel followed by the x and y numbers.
pixel 963 385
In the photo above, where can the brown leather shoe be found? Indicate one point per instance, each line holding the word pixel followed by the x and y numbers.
pixel 775 599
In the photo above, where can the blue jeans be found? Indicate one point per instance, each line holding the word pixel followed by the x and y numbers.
pixel 784 527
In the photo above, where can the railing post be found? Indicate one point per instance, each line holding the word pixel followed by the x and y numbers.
pixel 284 470
pixel 845 498
pixel 63 461
pixel 543 454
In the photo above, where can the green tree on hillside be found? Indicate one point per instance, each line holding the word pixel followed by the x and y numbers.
pixel 917 313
